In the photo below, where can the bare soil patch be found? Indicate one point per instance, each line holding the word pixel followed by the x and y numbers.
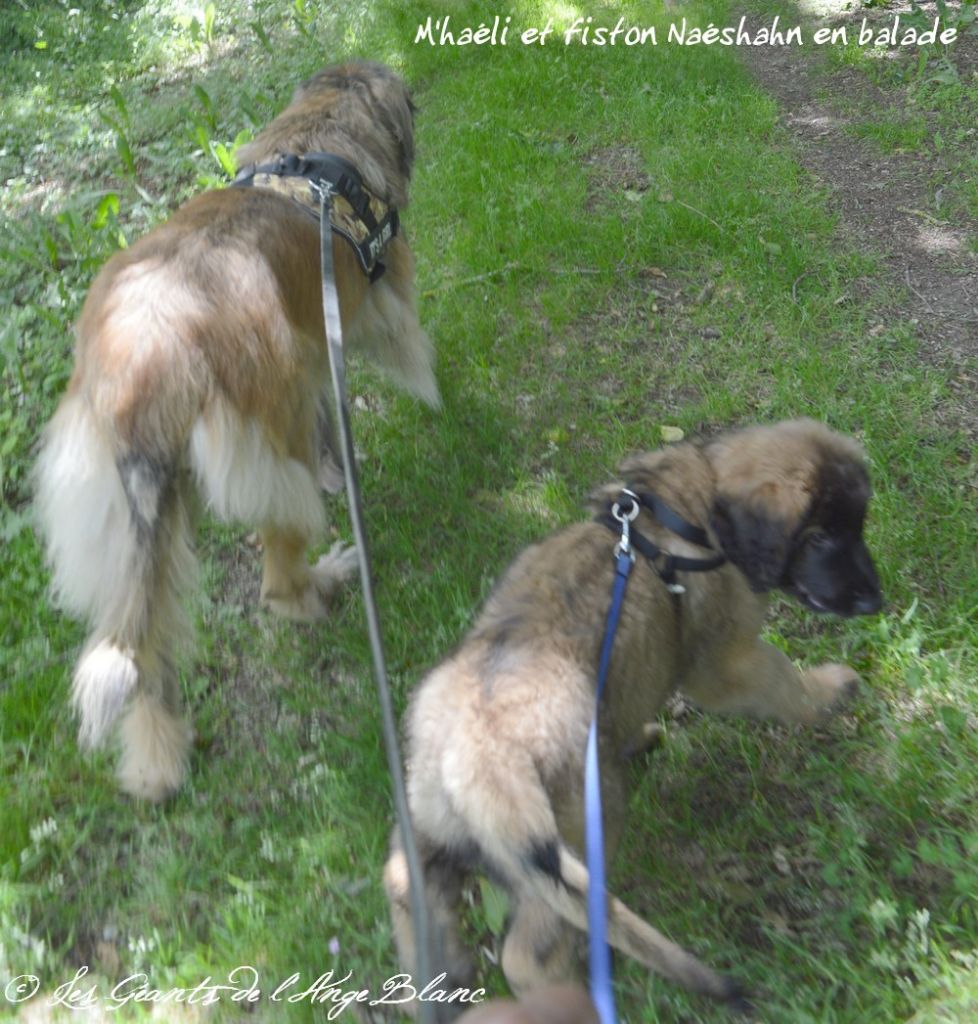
pixel 614 169
pixel 888 203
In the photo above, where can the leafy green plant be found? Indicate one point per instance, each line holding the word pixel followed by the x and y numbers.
pixel 119 123
pixel 303 17
pixel 224 155
pixel 261 35
pixel 199 26
pixel 934 61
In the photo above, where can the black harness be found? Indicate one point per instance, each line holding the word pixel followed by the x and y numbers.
pixel 666 565
pixel 367 222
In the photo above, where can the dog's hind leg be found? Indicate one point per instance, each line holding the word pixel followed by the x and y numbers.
pixel 540 947
pixel 290 586
pixel 444 878
pixel 248 475
pixel 155 738
pixel 119 539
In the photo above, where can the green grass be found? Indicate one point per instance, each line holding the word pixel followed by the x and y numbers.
pixel 928 103
pixel 893 135
pixel 830 871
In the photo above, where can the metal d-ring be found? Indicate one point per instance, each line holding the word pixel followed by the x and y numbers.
pixel 624 547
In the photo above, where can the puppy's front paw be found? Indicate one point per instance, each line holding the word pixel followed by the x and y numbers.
pixel 829 687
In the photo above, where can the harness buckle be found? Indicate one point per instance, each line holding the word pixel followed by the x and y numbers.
pixel 624 547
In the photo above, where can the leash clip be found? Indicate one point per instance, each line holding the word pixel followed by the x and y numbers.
pixel 323 189
pixel 624 547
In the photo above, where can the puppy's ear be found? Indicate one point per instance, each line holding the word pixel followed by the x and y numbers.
pixel 756 542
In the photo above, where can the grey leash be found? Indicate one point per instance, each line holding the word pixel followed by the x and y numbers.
pixel 334 344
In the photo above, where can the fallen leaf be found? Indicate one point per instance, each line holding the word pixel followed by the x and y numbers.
pixel 777 922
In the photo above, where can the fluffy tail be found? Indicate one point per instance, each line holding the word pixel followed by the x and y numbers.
pixel 118 541
pixel 387 331
pixel 632 935
pixel 534 858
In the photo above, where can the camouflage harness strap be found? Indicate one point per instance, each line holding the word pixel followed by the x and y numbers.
pixel 367 222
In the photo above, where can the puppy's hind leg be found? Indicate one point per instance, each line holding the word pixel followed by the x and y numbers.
pixel 540 947
pixel 636 937
pixel 443 892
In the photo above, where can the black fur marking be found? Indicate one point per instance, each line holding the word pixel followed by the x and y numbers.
pixel 755 543
pixel 461 858
pixel 500 634
pixel 145 481
pixel 544 856
pixel 830 568
pixel 571 595
pixel 502 638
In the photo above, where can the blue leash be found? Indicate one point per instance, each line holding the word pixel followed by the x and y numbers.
pixel 597 904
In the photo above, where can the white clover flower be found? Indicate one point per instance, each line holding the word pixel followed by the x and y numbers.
pixel 45 830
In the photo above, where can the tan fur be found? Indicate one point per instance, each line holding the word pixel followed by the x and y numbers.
pixel 201 358
pixel 496 734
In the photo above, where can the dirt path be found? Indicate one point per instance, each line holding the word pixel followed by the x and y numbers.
pixel 889 204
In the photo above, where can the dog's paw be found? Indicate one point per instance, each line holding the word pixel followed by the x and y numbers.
pixel 651 736
pixel 330 474
pixel 155 750
pixel 306 606
pixel 829 687
pixel 309 602
pixel 335 568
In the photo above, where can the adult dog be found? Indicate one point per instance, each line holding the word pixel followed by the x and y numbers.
pixel 496 734
pixel 201 358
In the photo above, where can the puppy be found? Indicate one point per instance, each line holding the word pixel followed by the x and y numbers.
pixel 496 734
pixel 201 360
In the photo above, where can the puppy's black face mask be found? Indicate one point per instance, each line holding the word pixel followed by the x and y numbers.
pixel 824 561
pixel 832 571
pixel 829 568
